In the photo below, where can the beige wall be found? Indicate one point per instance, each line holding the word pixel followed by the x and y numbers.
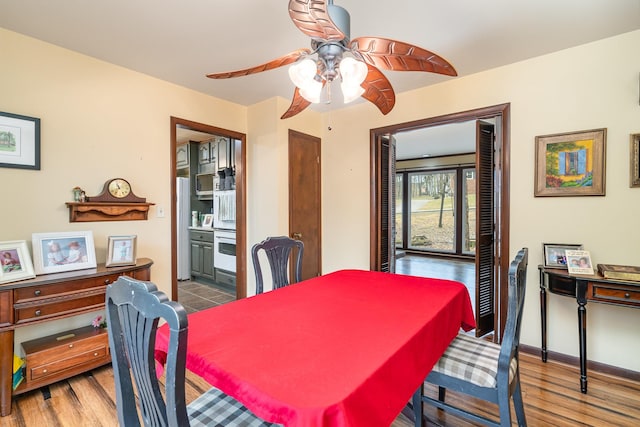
pixel 100 121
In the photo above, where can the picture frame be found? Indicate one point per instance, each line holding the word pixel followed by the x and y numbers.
pixel 16 261
pixel 207 221
pixel 121 250
pixel 19 141
pixel 570 164
pixel 555 254
pixel 634 164
pixel 63 251
pixel 579 262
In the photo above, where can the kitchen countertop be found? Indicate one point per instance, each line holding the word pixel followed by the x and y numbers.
pixel 201 228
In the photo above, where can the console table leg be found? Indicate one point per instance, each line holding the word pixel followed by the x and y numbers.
pixel 543 318
pixel 582 331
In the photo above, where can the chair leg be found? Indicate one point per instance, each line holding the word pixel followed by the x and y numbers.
pixel 518 405
pixel 442 393
pixel 504 406
pixel 417 406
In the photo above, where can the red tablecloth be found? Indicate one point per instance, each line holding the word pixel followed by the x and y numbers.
pixel 345 349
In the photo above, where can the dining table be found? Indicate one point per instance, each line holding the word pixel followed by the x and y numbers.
pixel 348 348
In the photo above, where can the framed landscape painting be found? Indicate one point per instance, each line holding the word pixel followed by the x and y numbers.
pixel 571 164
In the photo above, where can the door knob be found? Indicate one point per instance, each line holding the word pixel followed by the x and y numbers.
pixel 297 236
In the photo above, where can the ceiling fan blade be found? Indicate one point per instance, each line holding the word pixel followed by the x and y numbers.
pixel 400 56
pixel 378 90
pixel 298 103
pixel 289 58
pixel 312 18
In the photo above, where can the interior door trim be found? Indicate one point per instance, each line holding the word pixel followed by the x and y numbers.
pixel 241 202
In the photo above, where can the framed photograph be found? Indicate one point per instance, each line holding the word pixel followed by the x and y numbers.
pixel 571 164
pixel 122 251
pixel 66 251
pixel 207 221
pixel 19 141
pixel 579 262
pixel 634 156
pixel 16 262
pixel 555 254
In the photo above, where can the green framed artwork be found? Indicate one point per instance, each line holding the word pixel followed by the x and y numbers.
pixel 571 164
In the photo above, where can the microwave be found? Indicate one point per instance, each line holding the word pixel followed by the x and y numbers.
pixel 205 184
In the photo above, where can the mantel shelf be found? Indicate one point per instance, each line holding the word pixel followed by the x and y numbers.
pixel 107 211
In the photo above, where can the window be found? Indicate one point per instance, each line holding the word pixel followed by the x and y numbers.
pixel 436 210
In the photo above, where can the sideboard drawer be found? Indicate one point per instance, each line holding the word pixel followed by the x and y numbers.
pixel 615 294
pixel 35 311
pixel 69 351
pixel 31 293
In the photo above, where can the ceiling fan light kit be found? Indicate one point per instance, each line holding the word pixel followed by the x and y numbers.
pixel 328 26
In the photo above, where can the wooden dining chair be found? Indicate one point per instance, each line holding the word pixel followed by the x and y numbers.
pixel 133 311
pixel 483 369
pixel 278 251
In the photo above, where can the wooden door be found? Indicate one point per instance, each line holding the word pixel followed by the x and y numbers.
pixel 485 229
pixel 304 199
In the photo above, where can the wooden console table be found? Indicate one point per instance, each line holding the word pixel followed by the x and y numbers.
pixel 583 288
pixel 52 297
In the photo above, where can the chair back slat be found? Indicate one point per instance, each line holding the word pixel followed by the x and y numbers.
pixel 133 311
pixel 278 251
pixel 515 308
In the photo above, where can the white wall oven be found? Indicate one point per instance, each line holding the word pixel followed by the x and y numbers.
pixel 224 247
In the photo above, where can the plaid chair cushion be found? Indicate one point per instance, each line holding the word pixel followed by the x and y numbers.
pixel 473 360
pixel 216 409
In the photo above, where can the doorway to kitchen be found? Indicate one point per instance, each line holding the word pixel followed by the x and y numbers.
pixel 234 152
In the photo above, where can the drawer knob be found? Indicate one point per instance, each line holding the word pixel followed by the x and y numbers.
pixel 107 281
pixel 70 345
pixel 627 295
pixel 95 354
pixel 44 371
pixel 38 313
pixel 37 292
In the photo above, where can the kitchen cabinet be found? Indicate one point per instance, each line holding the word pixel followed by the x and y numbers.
pixel 204 153
pixel 226 153
pixel 202 254
pixel 182 156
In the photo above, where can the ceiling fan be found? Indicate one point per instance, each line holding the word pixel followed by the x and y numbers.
pixel 356 62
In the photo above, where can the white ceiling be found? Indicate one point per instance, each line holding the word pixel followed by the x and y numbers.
pixel 182 41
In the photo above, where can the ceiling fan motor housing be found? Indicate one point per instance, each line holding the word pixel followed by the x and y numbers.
pixel 341 19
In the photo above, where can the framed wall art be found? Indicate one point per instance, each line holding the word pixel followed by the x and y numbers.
pixel 555 254
pixel 16 262
pixel 571 164
pixel 66 251
pixel 634 156
pixel 121 250
pixel 19 141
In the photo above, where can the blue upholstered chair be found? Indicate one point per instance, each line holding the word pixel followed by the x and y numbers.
pixel 133 310
pixel 278 251
pixel 483 369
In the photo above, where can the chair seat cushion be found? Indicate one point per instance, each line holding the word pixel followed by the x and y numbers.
pixel 474 360
pixel 217 409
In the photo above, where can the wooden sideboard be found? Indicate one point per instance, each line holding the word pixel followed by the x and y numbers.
pixel 583 288
pixel 52 297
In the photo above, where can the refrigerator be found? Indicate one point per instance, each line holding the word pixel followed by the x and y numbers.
pixel 183 221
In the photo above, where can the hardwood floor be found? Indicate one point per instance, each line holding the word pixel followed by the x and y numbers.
pixel 462 271
pixel 550 391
